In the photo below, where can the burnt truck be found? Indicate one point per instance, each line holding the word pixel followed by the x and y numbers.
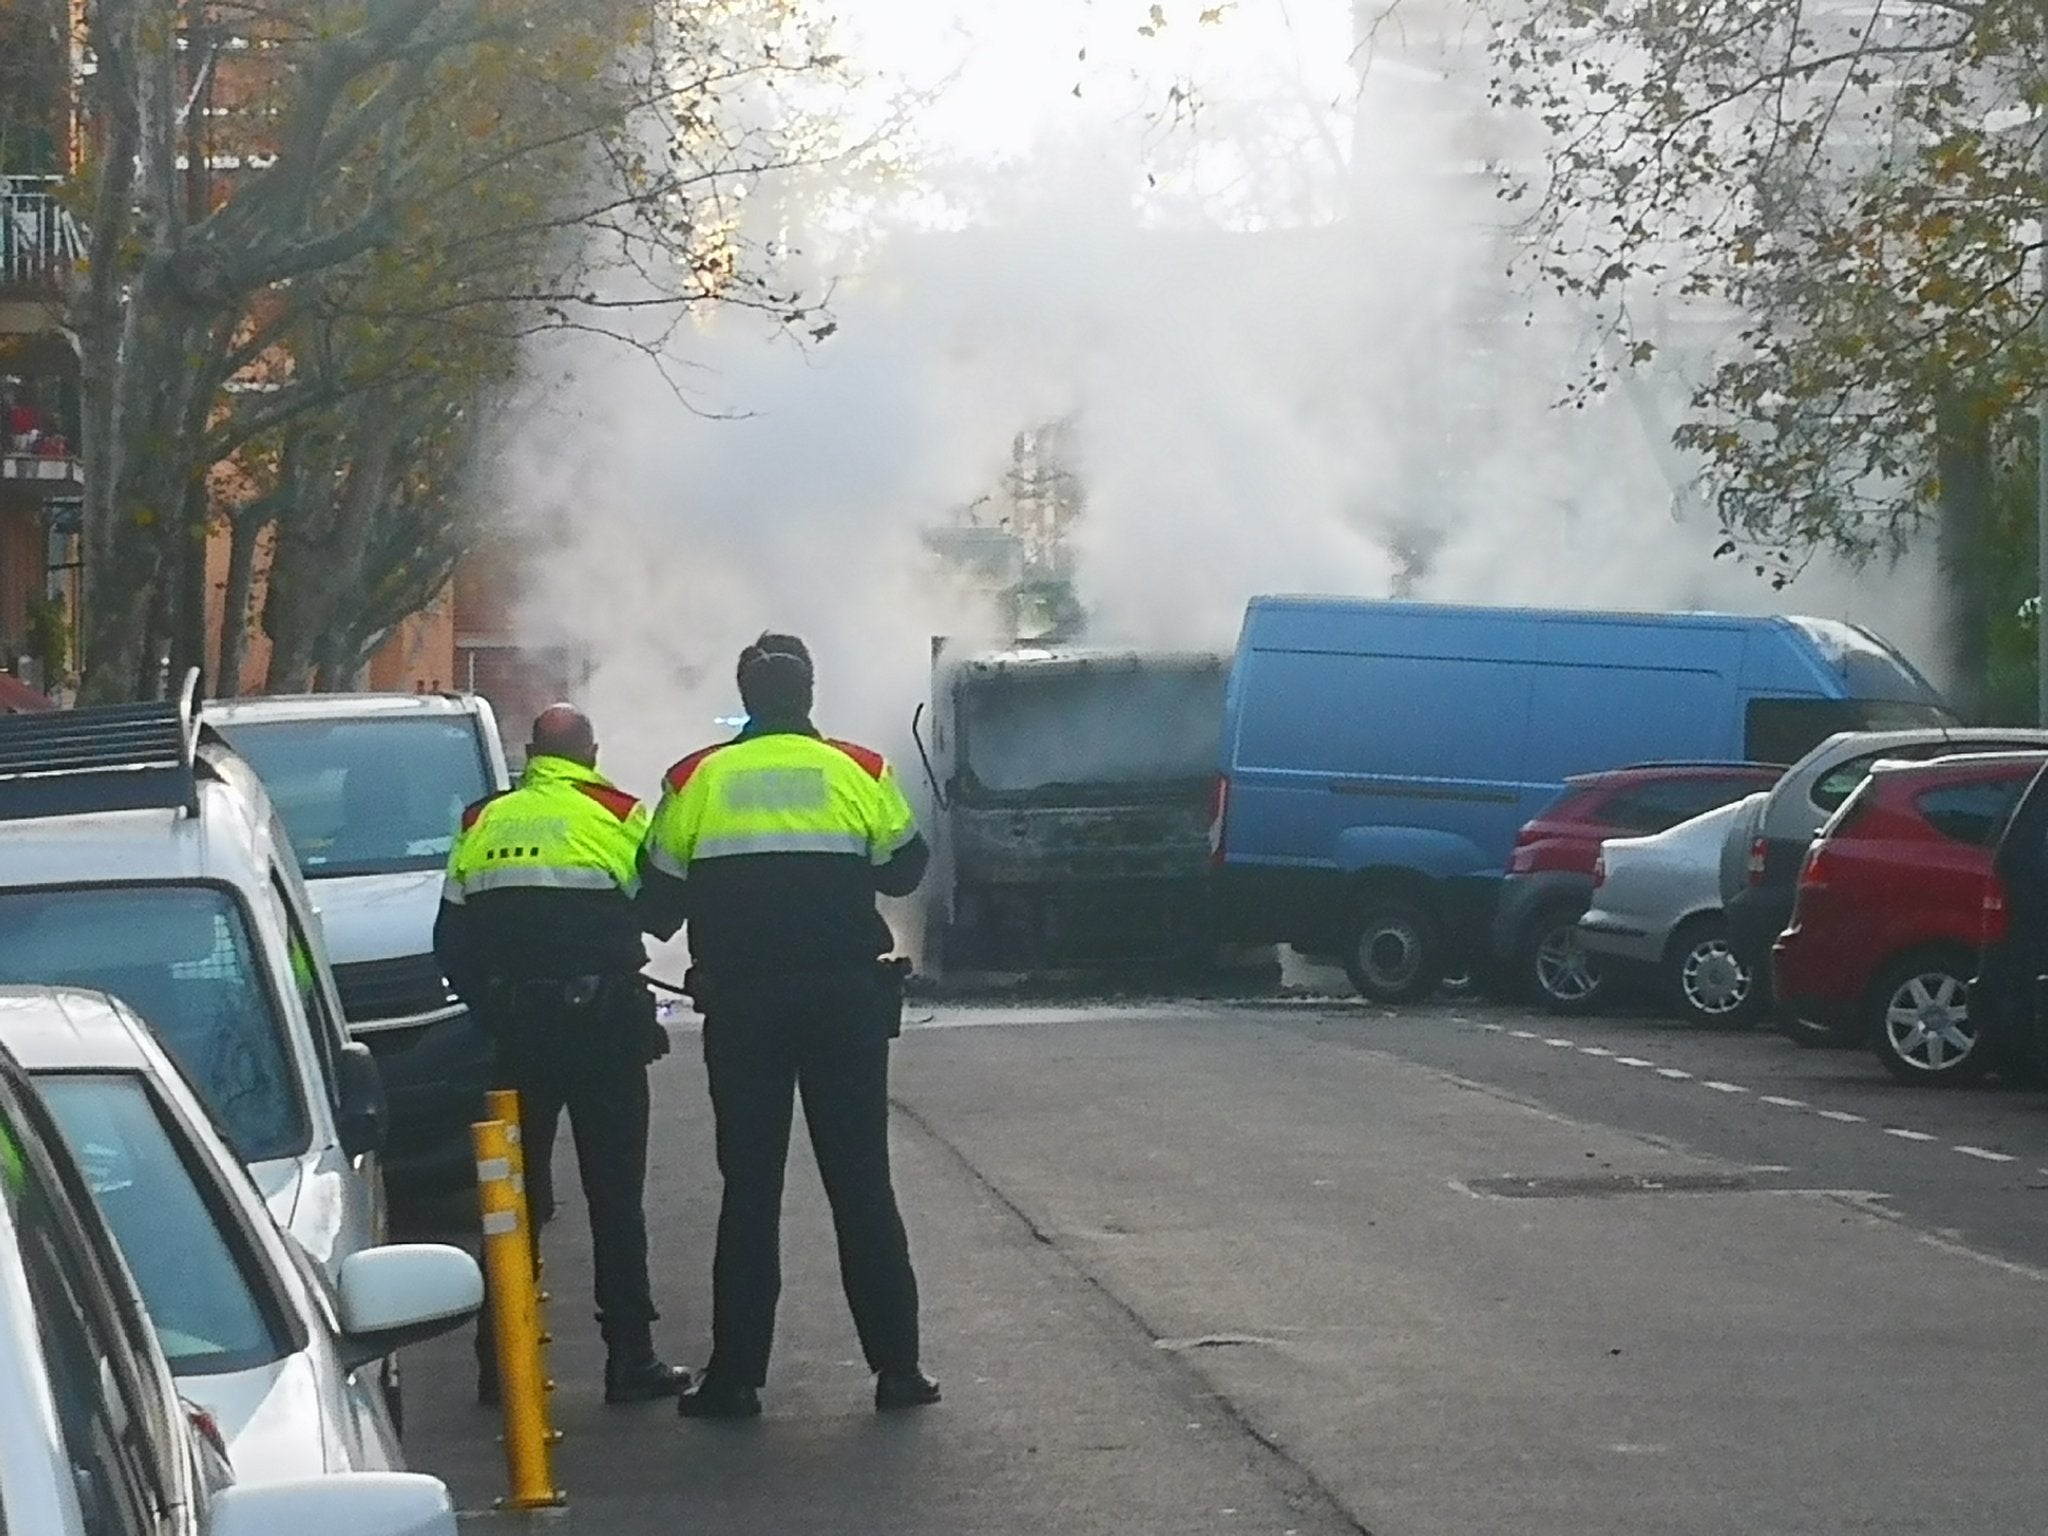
pixel 1072 792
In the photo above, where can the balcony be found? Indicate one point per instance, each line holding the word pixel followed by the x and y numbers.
pixel 40 243
pixel 40 477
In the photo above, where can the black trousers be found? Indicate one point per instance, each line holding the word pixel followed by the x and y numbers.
pixel 590 1062
pixel 763 1042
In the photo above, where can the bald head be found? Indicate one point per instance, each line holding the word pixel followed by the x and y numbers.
pixel 563 730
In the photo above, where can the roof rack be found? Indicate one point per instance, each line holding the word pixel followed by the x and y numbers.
pixel 122 757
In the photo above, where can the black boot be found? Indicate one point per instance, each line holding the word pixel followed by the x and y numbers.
pixel 633 1372
pixel 904 1389
pixel 642 1379
pixel 715 1399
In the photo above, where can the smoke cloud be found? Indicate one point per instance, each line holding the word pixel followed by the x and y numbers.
pixel 1277 327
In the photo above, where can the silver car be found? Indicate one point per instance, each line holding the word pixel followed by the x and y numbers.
pixel 94 1438
pixel 1657 907
pixel 283 1362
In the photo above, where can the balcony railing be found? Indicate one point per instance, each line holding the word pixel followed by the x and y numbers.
pixel 40 242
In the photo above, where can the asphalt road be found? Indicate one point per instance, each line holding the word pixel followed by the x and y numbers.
pixel 1320 1268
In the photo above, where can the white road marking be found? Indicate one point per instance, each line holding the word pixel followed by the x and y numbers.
pixel 1674 1073
pixel 1720 1087
pixel 1905 1135
pixel 1840 1116
pixel 1562 1044
pixel 1523 1034
pixel 1494 1029
pixel 1632 1061
pixel 1782 1103
pixel 1985 1153
pixel 1595 1050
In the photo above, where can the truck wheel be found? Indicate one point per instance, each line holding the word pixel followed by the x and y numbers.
pixel 1706 982
pixel 1393 954
pixel 1919 1018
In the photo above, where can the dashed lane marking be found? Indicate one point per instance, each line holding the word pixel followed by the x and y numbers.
pixel 1776 1100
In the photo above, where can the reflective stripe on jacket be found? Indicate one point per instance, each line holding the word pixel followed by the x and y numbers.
pixel 565 828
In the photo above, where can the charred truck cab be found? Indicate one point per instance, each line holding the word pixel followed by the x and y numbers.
pixel 1072 795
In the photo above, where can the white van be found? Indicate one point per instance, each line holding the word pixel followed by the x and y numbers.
pixel 371 788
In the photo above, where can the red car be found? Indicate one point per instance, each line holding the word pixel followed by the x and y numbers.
pixel 1891 909
pixel 1550 873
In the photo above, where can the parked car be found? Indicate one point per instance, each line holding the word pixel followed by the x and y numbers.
pixel 154 868
pixel 1536 945
pixel 94 1438
pixel 1656 908
pixel 1889 914
pixel 1760 860
pixel 1379 756
pixel 283 1362
pixel 370 788
pixel 2009 993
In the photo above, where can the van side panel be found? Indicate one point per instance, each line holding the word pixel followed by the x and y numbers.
pixel 1411 741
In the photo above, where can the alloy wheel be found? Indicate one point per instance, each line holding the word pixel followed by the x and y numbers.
pixel 1927 1022
pixel 1564 969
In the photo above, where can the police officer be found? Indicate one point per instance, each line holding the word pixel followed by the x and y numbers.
pixel 539 931
pixel 773 847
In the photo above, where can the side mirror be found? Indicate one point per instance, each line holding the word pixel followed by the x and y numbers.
pixel 363 1118
pixel 400 1294
pixel 341 1504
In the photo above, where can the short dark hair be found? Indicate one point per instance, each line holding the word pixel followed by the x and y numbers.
pixel 775 676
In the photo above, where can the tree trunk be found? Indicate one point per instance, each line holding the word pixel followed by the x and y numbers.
pixel 1964 471
pixel 244 532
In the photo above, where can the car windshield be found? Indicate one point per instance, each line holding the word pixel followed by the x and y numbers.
pixel 367 797
pixel 1028 731
pixel 205 1298
pixel 180 956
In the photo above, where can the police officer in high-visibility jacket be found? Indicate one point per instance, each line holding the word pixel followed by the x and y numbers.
pixel 773 848
pixel 540 933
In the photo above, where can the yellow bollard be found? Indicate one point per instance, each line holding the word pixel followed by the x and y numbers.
pixel 515 1317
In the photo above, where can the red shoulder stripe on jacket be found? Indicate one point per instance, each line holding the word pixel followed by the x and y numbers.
pixel 873 763
pixel 679 775
pixel 475 808
pixel 617 801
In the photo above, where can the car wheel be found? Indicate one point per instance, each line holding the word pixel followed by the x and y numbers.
pixel 1708 984
pixel 1557 969
pixel 1920 1022
pixel 1393 954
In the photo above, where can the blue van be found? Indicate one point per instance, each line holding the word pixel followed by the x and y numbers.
pixel 1378 757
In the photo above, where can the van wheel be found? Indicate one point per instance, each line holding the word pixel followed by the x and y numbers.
pixel 1393 954
pixel 1555 968
pixel 1705 980
pixel 1919 1013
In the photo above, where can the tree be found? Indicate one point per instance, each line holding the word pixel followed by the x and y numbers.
pixel 1841 204
pixel 428 194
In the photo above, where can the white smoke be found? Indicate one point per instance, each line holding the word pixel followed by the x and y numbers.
pixel 1258 320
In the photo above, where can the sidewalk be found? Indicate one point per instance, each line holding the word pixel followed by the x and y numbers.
pixel 1060 1415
